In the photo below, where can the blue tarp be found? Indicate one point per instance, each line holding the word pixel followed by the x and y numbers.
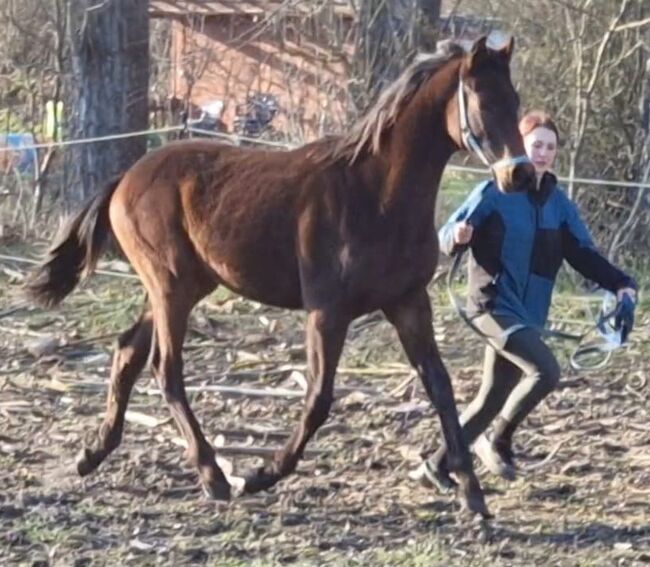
pixel 23 160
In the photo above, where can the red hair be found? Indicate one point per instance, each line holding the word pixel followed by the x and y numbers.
pixel 537 119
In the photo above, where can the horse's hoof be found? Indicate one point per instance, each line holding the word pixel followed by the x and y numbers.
pixel 216 490
pixel 472 496
pixel 430 477
pixel 83 462
pixel 260 480
pixel 492 460
pixel 476 505
pixel 86 462
pixel 214 483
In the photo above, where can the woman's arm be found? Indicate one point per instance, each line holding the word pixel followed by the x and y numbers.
pixel 581 252
pixel 475 208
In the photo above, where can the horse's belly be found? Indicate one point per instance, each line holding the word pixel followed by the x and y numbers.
pixel 382 283
pixel 260 276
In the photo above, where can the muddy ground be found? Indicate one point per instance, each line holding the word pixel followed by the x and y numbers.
pixel 582 498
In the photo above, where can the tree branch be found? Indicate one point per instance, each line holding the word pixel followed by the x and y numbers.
pixel 632 25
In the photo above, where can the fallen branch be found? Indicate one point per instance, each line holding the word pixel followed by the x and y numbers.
pixel 251 450
pixel 546 459
pixel 143 419
pixel 238 391
pixel 284 393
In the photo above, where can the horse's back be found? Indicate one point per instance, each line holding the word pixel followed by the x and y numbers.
pixel 232 209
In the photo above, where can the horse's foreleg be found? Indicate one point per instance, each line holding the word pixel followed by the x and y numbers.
pixel 130 356
pixel 411 317
pixel 325 337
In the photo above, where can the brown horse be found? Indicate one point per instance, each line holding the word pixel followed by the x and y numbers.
pixel 339 227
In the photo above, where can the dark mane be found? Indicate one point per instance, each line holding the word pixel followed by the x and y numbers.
pixel 366 133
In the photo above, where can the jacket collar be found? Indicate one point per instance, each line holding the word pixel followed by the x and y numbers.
pixel 546 186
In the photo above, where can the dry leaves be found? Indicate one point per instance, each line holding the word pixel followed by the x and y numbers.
pixel 582 496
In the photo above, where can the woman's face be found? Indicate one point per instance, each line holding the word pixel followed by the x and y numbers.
pixel 541 147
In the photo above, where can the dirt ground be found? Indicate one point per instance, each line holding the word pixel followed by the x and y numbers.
pixel 582 498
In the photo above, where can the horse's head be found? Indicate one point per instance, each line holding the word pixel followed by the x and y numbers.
pixel 483 117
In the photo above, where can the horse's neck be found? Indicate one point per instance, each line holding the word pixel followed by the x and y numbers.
pixel 417 156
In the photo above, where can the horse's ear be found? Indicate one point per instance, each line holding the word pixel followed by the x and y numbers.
pixel 480 45
pixel 506 50
pixel 478 52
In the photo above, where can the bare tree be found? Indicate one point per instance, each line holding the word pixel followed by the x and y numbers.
pixel 389 33
pixel 637 221
pixel 586 62
pixel 110 63
pixel 195 56
pixel 32 60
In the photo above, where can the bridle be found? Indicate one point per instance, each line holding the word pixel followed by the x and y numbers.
pixel 473 144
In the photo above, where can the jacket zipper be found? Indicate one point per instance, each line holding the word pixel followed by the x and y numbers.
pixel 532 251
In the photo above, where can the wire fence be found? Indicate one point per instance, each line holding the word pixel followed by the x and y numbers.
pixel 616 210
pixel 238 140
pixel 451 195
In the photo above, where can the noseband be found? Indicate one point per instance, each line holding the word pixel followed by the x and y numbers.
pixel 473 144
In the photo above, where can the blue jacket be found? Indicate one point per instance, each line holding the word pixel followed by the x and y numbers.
pixel 519 243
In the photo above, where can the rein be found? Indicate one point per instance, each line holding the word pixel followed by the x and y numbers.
pixel 582 353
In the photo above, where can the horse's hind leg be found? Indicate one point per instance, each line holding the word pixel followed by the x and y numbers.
pixel 175 278
pixel 130 356
pixel 171 310
pixel 325 337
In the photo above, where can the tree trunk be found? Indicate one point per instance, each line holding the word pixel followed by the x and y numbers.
pixel 430 10
pixel 389 34
pixel 645 113
pixel 110 65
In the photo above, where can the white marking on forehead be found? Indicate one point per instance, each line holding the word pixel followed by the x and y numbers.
pixel 498 39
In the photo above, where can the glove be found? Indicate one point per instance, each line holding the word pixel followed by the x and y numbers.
pixel 624 316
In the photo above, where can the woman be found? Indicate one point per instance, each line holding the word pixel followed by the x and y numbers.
pixel 517 243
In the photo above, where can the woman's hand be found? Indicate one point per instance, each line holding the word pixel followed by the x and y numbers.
pixel 631 292
pixel 624 319
pixel 463 232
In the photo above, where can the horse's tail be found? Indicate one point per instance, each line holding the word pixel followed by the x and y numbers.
pixel 74 252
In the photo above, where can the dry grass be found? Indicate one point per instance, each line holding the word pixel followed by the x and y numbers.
pixel 582 498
